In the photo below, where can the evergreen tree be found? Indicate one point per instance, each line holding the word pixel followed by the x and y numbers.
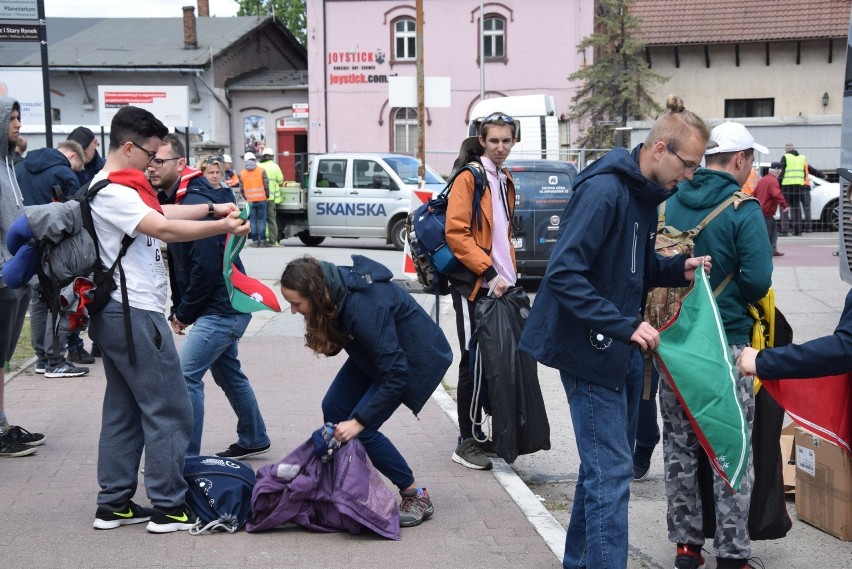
pixel 614 89
pixel 292 14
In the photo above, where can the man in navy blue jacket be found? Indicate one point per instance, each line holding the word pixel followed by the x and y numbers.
pixel 200 298
pixel 587 318
pixel 47 175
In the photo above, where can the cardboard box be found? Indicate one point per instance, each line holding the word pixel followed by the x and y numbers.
pixel 788 457
pixel 823 484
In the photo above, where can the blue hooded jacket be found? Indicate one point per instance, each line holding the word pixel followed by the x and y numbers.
pixel 393 340
pixel 40 171
pixel 195 267
pixel 592 295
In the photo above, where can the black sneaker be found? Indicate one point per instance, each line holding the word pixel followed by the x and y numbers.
pixel 131 513
pixel 415 507
pixel 470 455
pixel 40 366
pixel 168 521
pixel 11 449
pixel 96 351
pixel 66 369
pixel 236 451
pixel 641 463
pixel 80 356
pixel 24 437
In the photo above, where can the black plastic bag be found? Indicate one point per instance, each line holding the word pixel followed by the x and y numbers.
pixel 768 518
pixel 518 418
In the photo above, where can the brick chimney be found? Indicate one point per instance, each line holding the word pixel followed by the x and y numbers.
pixel 203 8
pixel 190 38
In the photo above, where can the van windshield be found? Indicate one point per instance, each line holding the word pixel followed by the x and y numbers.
pixel 406 168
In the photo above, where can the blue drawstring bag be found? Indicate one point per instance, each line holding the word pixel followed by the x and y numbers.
pixel 219 492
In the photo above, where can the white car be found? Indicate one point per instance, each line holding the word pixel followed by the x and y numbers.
pixel 825 202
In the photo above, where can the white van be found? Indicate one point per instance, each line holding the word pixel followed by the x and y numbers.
pixel 353 195
pixel 538 135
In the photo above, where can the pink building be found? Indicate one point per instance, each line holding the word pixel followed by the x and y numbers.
pixel 354 46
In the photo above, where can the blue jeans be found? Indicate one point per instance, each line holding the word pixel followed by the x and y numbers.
pixel 633 391
pixel 212 344
pixel 350 391
pixel 257 221
pixel 597 530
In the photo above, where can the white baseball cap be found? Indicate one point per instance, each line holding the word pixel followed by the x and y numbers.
pixel 249 156
pixel 227 158
pixel 733 137
pixel 267 152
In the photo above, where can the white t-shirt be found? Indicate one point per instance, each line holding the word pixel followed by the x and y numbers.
pixel 116 211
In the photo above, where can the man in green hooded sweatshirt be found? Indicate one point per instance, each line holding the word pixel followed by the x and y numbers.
pixel 739 245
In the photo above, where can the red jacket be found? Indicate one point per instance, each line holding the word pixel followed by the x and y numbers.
pixel 768 191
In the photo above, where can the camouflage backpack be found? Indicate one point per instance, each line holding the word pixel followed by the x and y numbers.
pixel 663 302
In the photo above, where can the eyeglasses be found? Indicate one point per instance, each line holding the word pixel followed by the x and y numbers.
pixel 688 165
pixel 145 150
pixel 494 117
pixel 158 162
pixel 212 159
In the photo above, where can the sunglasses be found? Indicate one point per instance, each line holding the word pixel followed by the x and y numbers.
pixel 495 117
pixel 214 158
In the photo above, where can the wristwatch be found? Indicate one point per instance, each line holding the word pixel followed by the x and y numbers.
pixel 209 209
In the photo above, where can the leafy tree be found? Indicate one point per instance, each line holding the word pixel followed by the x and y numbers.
pixel 292 14
pixel 614 88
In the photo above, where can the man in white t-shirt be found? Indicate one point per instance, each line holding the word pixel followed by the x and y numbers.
pixel 146 404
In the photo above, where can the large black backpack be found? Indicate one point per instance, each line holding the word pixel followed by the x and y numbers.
pixel 76 255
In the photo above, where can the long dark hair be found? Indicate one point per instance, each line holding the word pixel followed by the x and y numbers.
pixel 323 334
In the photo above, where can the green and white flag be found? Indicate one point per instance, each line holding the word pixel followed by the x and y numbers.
pixel 695 357
pixel 247 294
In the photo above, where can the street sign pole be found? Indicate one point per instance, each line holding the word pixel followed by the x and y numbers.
pixel 45 76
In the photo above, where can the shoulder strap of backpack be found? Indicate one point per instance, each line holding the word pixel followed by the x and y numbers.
pixel 87 193
pixel 738 198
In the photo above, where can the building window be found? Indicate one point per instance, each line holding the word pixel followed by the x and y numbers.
pixel 739 108
pixel 404 38
pixel 405 130
pixel 495 37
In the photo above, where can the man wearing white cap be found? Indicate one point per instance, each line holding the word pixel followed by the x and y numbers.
pixel 276 180
pixel 739 245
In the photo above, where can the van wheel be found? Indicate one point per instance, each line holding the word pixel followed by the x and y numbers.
pixel 398 234
pixel 309 239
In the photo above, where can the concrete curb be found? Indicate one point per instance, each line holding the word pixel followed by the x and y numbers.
pixel 9 377
pixel 550 530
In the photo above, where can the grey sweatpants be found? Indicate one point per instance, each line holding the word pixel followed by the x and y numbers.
pixel 681 450
pixel 146 405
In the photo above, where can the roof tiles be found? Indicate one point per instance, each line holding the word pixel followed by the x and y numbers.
pixel 664 22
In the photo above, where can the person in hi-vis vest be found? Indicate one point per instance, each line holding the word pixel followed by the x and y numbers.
pixel 255 190
pixel 792 178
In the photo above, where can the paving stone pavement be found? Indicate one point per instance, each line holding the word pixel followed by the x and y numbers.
pixel 48 499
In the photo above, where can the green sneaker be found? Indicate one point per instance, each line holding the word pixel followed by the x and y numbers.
pixel 469 454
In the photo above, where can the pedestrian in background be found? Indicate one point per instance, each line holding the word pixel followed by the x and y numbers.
pixel 397 356
pixel 255 189
pixel 47 175
pixel 276 180
pixel 768 192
